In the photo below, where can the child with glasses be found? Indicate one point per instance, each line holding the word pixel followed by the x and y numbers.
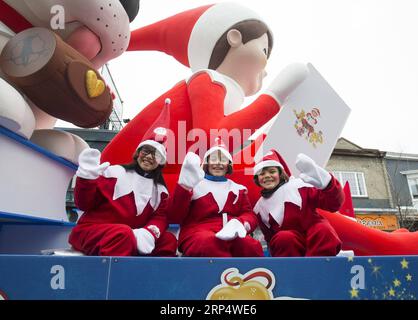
pixel 124 205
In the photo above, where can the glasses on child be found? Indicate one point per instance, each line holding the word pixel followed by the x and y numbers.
pixel 156 155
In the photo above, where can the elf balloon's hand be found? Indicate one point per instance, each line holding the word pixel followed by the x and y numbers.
pixel 287 81
pixel 311 173
pixel 89 166
pixel 234 228
pixel 191 173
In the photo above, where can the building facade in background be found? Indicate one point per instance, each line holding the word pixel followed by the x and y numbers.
pixel 383 185
pixel 402 170
pixel 365 171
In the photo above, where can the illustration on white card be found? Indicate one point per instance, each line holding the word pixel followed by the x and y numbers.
pixel 311 121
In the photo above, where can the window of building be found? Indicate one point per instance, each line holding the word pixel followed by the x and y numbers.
pixel 412 179
pixel 70 191
pixel 413 188
pixel 73 180
pixel 355 180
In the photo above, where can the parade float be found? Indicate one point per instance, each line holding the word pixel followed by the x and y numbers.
pixel 48 74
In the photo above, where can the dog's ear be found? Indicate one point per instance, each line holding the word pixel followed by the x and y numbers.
pixel 131 7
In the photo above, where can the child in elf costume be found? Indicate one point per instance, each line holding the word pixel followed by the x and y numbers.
pixel 124 206
pixel 214 212
pixel 287 207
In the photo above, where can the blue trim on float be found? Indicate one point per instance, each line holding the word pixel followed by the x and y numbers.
pixel 37 277
pixel 12 135
pixel 25 219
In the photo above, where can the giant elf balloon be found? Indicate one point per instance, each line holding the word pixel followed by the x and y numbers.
pixel 227 47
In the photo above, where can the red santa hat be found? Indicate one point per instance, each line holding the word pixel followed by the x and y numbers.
pixel 271 159
pixel 191 36
pixel 218 145
pixel 156 136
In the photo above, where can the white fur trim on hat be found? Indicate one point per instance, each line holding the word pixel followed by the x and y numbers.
pixel 269 163
pixel 158 146
pixel 213 149
pixel 212 24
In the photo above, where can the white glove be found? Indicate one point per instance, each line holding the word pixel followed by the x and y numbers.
pixel 234 228
pixel 345 253
pixel 287 80
pixel 191 173
pixel 145 241
pixel 311 173
pixel 89 166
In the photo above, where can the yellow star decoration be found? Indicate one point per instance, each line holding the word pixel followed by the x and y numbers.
pixel 408 277
pixel 404 264
pixel 396 283
pixel 350 259
pixel 369 260
pixel 354 293
pixel 391 292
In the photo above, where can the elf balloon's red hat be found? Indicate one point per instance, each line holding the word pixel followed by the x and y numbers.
pixel 218 145
pixel 271 159
pixel 190 36
pixel 156 136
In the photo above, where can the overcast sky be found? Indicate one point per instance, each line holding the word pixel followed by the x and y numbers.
pixel 366 49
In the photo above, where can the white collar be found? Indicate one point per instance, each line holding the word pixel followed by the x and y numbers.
pixel 129 181
pixel 219 190
pixel 234 94
pixel 274 206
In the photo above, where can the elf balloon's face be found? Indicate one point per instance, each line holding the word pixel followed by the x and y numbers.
pixel 245 63
pixel 269 178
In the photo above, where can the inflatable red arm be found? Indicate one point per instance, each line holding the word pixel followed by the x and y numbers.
pixel 207 105
pixel 253 116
